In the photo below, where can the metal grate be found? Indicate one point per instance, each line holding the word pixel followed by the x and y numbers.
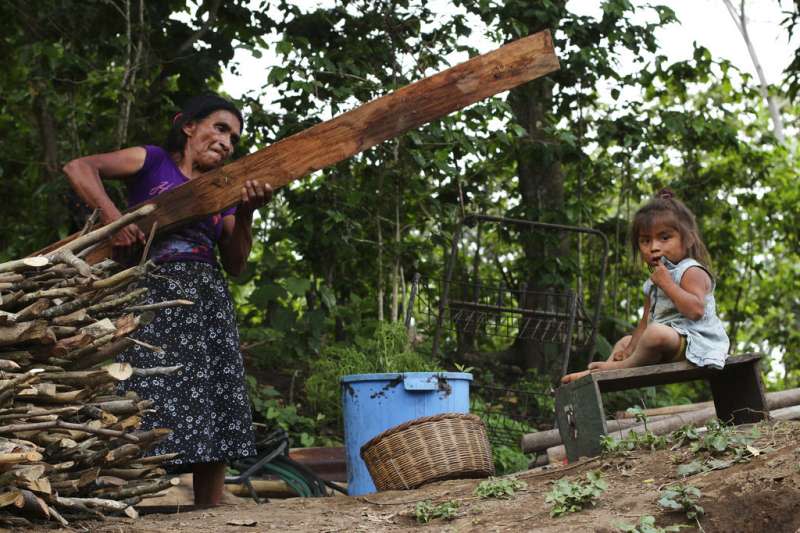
pixel 489 310
pixel 511 413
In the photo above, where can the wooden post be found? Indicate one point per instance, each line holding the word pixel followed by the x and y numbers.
pixel 353 132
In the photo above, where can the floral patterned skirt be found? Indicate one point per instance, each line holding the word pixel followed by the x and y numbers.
pixel 205 403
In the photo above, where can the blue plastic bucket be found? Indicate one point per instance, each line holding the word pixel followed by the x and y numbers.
pixel 372 403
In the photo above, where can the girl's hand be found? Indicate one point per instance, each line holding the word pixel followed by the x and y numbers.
pixel 661 275
pixel 254 195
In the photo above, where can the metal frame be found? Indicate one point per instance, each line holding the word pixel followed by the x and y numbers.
pixel 471 220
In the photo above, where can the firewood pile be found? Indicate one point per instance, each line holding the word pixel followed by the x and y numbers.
pixel 69 443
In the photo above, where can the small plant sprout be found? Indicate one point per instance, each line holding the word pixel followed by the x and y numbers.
pixel 639 414
pixel 682 498
pixel 426 511
pixel 501 488
pixel 569 497
pixel 647 524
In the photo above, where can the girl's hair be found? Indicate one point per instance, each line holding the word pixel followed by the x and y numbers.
pixel 197 108
pixel 668 209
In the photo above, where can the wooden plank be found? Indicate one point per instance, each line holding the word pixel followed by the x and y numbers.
pixel 580 417
pixel 646 376
pixel 353 132
pixel 739 394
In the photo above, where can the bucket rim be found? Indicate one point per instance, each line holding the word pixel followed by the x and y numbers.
pixel 391 376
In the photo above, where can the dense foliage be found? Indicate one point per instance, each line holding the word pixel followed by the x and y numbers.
pixel 336 254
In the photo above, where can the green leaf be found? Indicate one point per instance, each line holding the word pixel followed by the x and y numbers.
pixel 297 286
pixel 328 297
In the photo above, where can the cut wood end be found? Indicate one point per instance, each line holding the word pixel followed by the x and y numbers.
pixel 131 512
pixel 119 371
pixel 33 456
pixel 7 498
pixel 36 261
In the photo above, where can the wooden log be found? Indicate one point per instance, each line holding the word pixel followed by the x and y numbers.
pixel 20 457
pixel 119 301
pixel 775 400
pixel 266 488
pixel 35 331
pixel 27 263
pixel 122 454
pixel 64 332
pixel 786 413
pixel 33 310
pixel 86 428
pixel 149 487
pixel 157 305
pixel 75 243
pixel 558 454
pixel 156 370
pixel 337 139
pixel 63 292
pixel 45 396
pixel 541 440
pixel 99 328
pixel 131 473
pixel 6 364
pixel 102 354
pixel 123 277
pixel 124 407
pixel 8 498
pixel 534 442
pixel 29 502
pixel 661 427
pixel 76 318
pixel 96 503
pixel 157 459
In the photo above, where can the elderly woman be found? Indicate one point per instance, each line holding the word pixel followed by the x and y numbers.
pixel 205 403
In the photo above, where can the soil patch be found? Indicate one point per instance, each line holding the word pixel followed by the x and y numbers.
pixel 762 494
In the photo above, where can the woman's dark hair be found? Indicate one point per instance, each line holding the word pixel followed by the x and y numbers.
pixel 197 108
pixel 671 211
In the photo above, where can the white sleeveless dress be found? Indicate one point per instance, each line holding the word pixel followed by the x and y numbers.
pixel 706 341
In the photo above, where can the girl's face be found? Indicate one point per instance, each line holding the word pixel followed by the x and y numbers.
pixel 210 141
pixel 661 240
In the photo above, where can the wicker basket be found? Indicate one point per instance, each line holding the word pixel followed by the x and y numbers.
pixel 432 448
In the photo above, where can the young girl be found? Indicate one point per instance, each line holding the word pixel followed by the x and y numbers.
pixel 680 320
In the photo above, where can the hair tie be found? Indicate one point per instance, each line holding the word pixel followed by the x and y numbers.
pixel 176 117
pixel 666 194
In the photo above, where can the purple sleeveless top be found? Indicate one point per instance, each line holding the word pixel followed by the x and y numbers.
pixel 190 242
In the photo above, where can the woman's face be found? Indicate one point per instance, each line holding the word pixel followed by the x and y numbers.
pixel 210 141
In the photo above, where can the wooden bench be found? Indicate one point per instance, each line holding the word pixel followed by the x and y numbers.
pixel 737 389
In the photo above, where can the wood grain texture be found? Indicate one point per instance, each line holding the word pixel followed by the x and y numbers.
pixel 357 130
pixel 646 376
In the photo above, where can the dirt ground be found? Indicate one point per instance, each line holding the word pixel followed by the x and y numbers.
pixel 762 494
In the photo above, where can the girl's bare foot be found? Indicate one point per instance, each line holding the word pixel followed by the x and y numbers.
pixel 569 378
pixel 599 366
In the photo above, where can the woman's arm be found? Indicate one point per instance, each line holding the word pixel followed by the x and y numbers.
pixel 689 296
pixel 85 175
pixel 237 238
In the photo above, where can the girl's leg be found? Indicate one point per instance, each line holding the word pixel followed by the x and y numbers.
pixel 618 347
pixel 657 343
pixel 208 481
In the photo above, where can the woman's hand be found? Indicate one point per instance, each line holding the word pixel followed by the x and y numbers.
pixel 126 244
pixel 254 195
